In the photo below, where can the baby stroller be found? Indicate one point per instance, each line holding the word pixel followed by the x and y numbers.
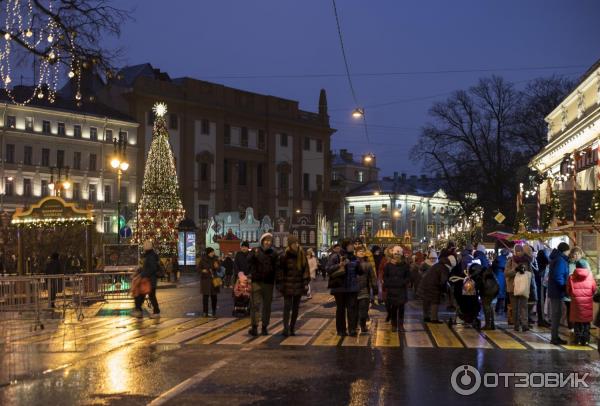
pixel 241 296
pixel 467 297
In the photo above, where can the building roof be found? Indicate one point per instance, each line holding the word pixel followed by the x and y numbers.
pixel 66 104
pixel 415 186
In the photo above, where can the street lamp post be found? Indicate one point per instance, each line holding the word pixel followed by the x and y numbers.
pixel 120 164
pixel 59 185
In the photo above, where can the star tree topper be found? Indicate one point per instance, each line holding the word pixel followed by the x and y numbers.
pixel 160 109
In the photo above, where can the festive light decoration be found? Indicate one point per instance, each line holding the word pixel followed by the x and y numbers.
pixel 522 221
pixel 160 209
pixel 553 211
pixel 595 207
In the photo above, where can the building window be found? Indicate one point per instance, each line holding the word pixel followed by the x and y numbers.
pixel 384 207
pixel 9 187
pixel 61 129
pixel 283 181
pixel 334 175
pixel 227 135
pixel 106 224
pixel 242 166
pixel 319 183
pixel 123 135
pixel 283 214
pixel 336 228
pixel 306 182
pixel 45 190
pixel 306 144
pixel 76 191
pixel 93 134
pixel 261 139
pixel 205 127
pixel 45 157
pixel 92 166
pixel 107 194
pixel 27 187
pixel 77 160
pixel 368 226
pixel 225 171
pixel 92 193
pixel 60 158
pixel 303 237
pixel 244 137
pixel 203 171
pixel 319 146
pixel 284 140
pixel 29 124
pixel 108 136
pixel 173 121
pixel 202 211
pixel 259 175
pixel 27 155
pixel 11 121
pixel 413 227
pixel 46 127
pixel 385 224
pixel 10 153
pixel 360 176
pixel 77 131
pixel 368 208
pixel 311 237
pixel 351 209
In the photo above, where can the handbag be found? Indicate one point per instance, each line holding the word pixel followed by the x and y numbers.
pixel 596 297
pixel 217 282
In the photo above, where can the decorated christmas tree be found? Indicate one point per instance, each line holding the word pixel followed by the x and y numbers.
pixel 522 221
pixel 160 209
pixel 553 212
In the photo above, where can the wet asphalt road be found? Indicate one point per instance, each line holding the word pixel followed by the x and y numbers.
pixel 139 373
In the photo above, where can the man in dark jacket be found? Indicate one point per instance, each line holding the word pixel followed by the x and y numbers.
pixel 557 287
pixel 343 270
pixel 228 265
pixel 53 268
pixel 292 281
pixel 240 262
pixel 150 270
pixel 432 284
pixel 396 277
pixel 262 265
pixel 542 267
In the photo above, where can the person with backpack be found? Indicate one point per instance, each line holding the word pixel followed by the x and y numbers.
pixel 519 265
pixel 581 288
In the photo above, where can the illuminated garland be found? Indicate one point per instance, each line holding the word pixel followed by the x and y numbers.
pixel 595 206
pixel 160 209
pixel 521 219
pixel 553 210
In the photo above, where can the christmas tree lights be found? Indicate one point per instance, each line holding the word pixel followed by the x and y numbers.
pixel 595 207
pixel 553 211
pixel 160 209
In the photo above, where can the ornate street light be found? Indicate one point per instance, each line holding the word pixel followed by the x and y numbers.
pixel 58 185
pixel 120 164
pixel 358 113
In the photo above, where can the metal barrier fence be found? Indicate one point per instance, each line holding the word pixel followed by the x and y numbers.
pixel 37 297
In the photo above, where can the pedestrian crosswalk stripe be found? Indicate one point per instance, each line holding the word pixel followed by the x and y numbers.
pixel 577 347
pixel 503 340
pixel 273 331
pixel 471 338
pixel 361 340
pixel 306 332
pixel 219 333
pixel 417 339
pixel 385 337
pixel 443 336
pixel 328 336
pixel 242 336
pixel 184 325
pixel 534 341
pixel 194 332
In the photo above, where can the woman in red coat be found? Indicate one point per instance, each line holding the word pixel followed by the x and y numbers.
pixel 581 287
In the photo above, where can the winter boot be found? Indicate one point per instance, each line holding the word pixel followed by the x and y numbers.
pixel 253 331
pixel 265 331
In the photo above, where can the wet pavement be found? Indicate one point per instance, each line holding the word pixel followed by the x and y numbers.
pixel 183 359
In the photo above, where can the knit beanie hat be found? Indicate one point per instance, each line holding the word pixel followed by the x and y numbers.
pixel 265 235
pixel 563 247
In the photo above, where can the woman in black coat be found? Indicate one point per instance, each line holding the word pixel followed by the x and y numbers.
pixel 396 277
pixel 293 277
pixel 209 267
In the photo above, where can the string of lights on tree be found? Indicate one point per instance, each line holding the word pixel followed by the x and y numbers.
pixel 45 44
pixel 160 209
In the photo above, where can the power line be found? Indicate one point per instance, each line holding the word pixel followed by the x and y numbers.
pixel 347 66
pixel 392 73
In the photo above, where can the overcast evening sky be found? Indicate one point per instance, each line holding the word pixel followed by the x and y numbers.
pixel 212 39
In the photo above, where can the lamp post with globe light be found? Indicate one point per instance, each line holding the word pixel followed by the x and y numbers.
pixel 58 185
pixel 120 164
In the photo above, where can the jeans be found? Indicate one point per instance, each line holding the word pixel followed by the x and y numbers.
pixel 260 303
pixel 363 313
pixel 555 316
pixel 430 310
pixel 346 307
pixel 290 304
pixel 139 301
pixel 582 332
pixel 213 299
pixel 520 312
pixel 397 314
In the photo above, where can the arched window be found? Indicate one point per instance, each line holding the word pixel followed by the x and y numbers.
pixel 303 237
pixel 311 237
pixel 285 241
pixel 295 233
